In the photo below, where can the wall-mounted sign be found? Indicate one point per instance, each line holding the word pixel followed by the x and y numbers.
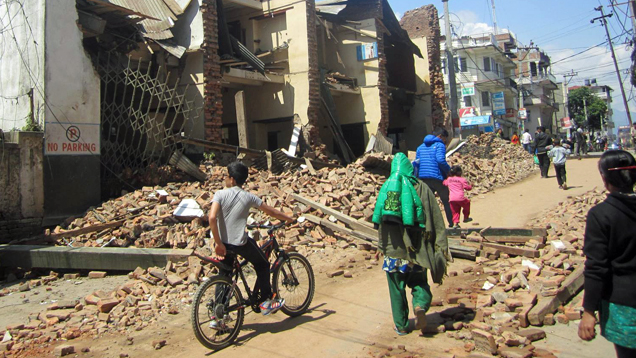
pixel 467 112
pixel 367 51
pixel 523 114
pixel 498 104
pixel 511 113
pixel 475 120
pixel 468 89
pixel 566 123
pixel 71 138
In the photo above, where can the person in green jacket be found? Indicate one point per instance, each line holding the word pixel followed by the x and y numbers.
pixel 412 236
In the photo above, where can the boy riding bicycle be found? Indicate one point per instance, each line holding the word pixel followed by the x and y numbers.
pixel 228 218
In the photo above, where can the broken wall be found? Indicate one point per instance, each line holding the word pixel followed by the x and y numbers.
pixel 422 25
pixel 364 108
pixel 21 185
pixel 421 112
pixel 22 57
pixel 72 118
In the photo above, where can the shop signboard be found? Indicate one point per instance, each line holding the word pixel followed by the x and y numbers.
pixel 498 104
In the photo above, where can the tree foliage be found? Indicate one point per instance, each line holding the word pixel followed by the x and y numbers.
pixel 582 97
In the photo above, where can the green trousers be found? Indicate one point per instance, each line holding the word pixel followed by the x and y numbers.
pixel 417 282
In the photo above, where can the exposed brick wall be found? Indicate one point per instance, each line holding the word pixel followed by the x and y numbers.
pixel 424 22
pixel 312 130
pixel 19 229
pixel 383 86
pixel 212 93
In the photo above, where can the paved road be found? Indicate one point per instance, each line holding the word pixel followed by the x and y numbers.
pixel 514 205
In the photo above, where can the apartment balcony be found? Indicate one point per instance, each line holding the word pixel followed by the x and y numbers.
pixel 542 101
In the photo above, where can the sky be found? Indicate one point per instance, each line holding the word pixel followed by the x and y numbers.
pixel 561 28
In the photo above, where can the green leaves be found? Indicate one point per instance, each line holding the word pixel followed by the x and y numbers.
pixel 581 98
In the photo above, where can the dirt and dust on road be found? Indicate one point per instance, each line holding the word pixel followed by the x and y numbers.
pixel 349 317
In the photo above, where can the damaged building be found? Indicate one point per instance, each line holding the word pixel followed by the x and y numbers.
pixel 121 83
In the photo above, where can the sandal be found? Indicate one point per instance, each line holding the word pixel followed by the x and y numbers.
pixel 400 333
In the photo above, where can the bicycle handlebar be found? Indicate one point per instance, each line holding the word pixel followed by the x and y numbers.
pixel 268 227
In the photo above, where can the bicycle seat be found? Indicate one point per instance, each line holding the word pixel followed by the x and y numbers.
pixel 214 261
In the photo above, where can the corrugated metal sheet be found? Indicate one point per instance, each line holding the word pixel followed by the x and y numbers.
pixel 175 50
pixel 155 8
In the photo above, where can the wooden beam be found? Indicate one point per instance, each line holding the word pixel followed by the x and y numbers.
pixel 87 258
pixel 347 220
pixel 342 229
pixel 241 119
pixel 499 232
pixel 570 287
pixel 511 250
pixel 88 229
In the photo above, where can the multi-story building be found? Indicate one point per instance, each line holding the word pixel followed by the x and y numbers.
pixel 486 90
pixel 116 85
pixel 537 85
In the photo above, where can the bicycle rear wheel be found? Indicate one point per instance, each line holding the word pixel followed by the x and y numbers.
pixel 217 313
pixel 294 281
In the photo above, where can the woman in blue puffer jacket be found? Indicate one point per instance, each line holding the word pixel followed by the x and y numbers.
pixel 432 167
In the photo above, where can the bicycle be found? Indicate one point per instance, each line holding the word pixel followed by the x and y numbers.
pixel 218 305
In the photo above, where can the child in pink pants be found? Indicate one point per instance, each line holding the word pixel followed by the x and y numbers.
pixel 456 185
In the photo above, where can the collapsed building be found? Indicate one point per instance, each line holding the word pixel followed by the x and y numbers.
pixel 121 83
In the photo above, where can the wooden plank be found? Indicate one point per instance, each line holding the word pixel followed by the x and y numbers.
pixel 457 250
pixel 519 240
pixel 347 220
pixel 87 258
pixel 88 229
pixel 510 250
pixel 241 120
pixel 335 227
pixel 499 232
pixel 569 288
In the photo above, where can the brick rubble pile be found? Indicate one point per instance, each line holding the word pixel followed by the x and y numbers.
pixel 489 162
pixel 493 314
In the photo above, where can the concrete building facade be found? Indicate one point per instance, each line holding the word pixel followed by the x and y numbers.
pixel 486 90
pixel 124 81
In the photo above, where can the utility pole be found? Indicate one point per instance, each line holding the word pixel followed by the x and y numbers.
pixel 632 8
pixel 494 17
pixel 585 109
pixel 450 66
pixel 618 74
pixel 566 93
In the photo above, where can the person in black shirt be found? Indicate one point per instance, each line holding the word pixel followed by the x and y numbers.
pixel 610 250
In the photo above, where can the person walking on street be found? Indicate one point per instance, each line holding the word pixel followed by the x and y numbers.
pixel 581 143
pixel 541 141
pixel 526 140
pixel 433 168
pixel 412 237
pixel 456 185
pixel 610 250
pixel 559 155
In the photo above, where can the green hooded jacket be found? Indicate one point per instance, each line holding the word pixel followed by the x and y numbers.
pixel 427 248
pixel 397 200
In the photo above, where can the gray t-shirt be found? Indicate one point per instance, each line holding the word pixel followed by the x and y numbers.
pixel 235 208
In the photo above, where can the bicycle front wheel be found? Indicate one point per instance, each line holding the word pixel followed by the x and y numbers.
pixel 294 281
pixel 217 313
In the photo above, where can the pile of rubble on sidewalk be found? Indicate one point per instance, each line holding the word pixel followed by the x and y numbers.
pixel 510 292
pixel 132 306
pixel 174 215
pixel 489 162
